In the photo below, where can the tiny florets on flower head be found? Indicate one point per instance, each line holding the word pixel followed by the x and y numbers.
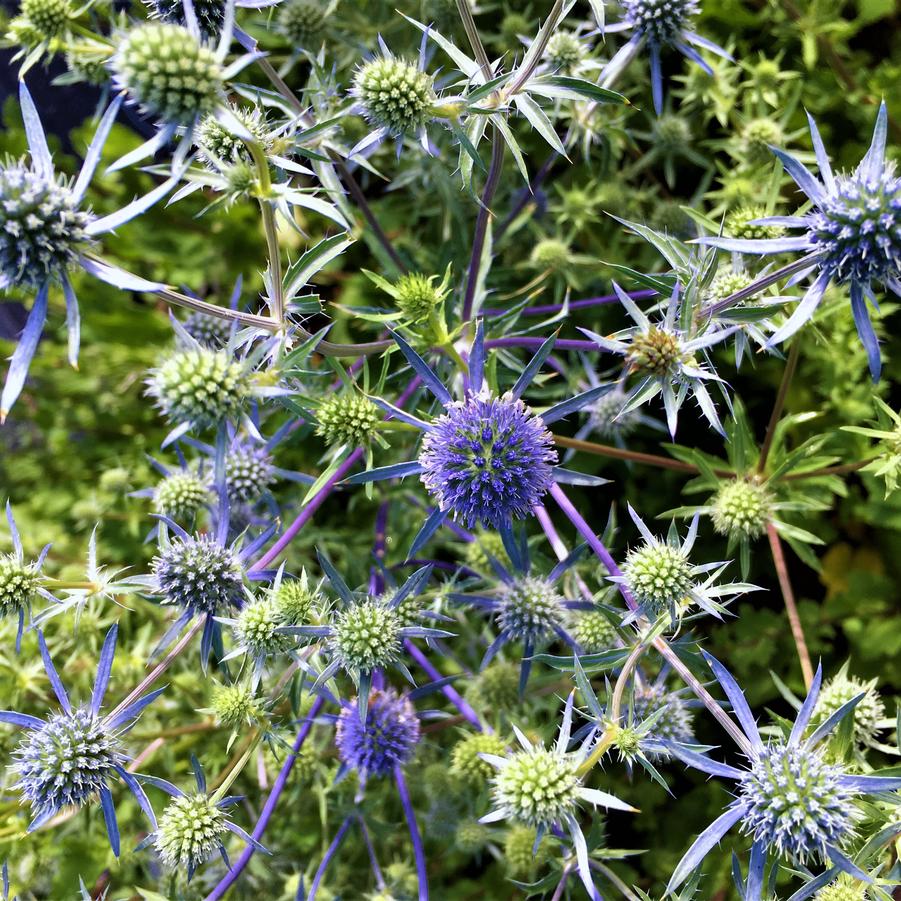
pixel 488 460
pixel 350 419
pixel 50 17
pixel 758 135
pixel 796 804
pixel 593 632
pixel 658 576
pixel 537 787
pixel 740 223
pixel 388 739
pixel 726 283
pixel 674 724
pixel 661 20
pixel 169 72
pixel 564 52
pixel 843 889
pixel 530 609
pixel 248 472
pixel 523 858
pixel 496 687
pixel 471 836
pixel 257 625
pixel 655 352
pixel 394 94
pixel 190 831
pixel 200 386
pixel 867 714
pixel 19 583
pixel 302 22
pixel 180 495
pixel 609 419
pixel 234 705
pixel 209 331
pixel 210 14
pixel 296 600
pixel 366 636
pixel 476 553
pixel 742 509
pixel 198 574
pixel 219 146
pixel 66 761
pixel 465 759
pixel 551 253
pixel 42 229
pixel 417 295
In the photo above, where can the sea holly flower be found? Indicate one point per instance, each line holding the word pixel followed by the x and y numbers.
pixel 193 827
pixel 72 757
pixel 790 800
pixel 46 230
pixel 528 609
pixel 541 787
pixel 665 359
pixel 656 25
pixel 851 236
pixel 20 582
pixel 662 579
pixel 488 459
pixel 367 633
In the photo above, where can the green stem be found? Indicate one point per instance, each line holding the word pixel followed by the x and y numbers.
pixel 227 779
pixel 791 364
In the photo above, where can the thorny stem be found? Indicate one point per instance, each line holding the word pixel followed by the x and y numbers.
pixel 791 364
pixel 275 266
pixel 791 608
pixel 659 644
pixel 536 52
pixel 475 40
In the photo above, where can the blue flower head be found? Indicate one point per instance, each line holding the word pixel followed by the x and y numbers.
pixel 488 459
pixel 790 800
pixel 70 758
pixel 851 236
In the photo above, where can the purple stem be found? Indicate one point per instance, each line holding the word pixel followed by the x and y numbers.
pixel 373 860
pixel 376 579
pixel 549 309
pixel 269 807
pixel 329 854
pixel 418 851
pixel 449 691
pixel 561 343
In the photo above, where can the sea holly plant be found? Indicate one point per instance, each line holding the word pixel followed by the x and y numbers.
pixel 378 392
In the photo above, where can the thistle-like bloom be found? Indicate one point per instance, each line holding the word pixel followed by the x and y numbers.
pixel 851 236
pixel 658 24
pixel 46 229
pixel 20 582
pixel 527 608
pixel 72 757
pixel 388 738
pixel 665 360
pixel 368 632
pixel 488 459
pixel 193 826
pixel 541 787
pixel 790 800
pixel 662 579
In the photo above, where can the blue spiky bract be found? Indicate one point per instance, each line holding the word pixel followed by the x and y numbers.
pixel 198 574
pixel 487 460
pixel 661 20
pixel 388 739
pixel 796 803
pixel 66 761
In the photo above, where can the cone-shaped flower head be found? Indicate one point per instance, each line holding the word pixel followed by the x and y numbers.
pixel 190 831
pixel 742 509
pixel 248 472
pixel 302 22
pixel 661 20
pixel 181 494
pixel 367 635
pixel 530 609
pixel 394 94
pixel 347 418
pixel 19 584
pixel 466 759
pixel 210 14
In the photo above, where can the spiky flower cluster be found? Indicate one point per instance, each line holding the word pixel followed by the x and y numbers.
pixel 169 72
pixel 728 282
pixel 867 714
pixel 537 786
pixel 366 636
pixel 564 52
pixel 302 22
pixel 200 386
pixel 248 473
pixel 795 803
pixel 465 759
pixel 674 724
pixel 530 609
pixel 857 227
pixel 742 509
pixel 523 858
pixel 488 460
pixel 198 574
pixel 220 147
pixel 655 352
pixel 497 687
pixel 594 632
pixel 66 761
pixel 235 704
pixel 740 223
pixel 658 576
pixel 210 14
pixel 661 20
pixel 388 739
pixel 190 831
pixel 843 889
pixel 417 296
pixel 350 419
pixel 42 229
pixel 296 600
pixel 486 544
pixel 181 495
pixel 18 584
pixel 551 253
pixel 49 17
pixel 608 418
pixel 256 628
pixel 758 135
pixel 471 836
pixel 211 331
pixel 394 94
